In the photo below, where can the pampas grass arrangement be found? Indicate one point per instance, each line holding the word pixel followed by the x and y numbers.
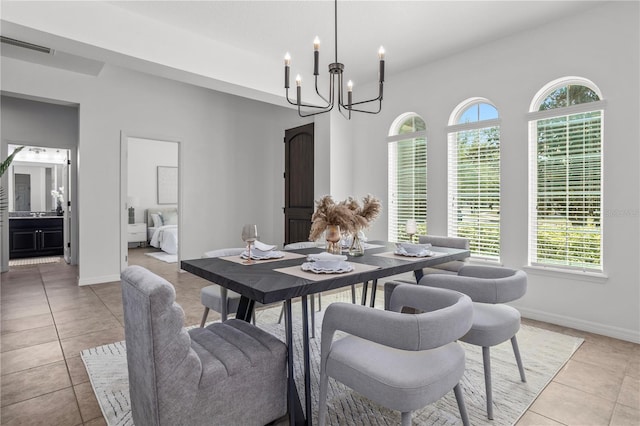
pixel 349 215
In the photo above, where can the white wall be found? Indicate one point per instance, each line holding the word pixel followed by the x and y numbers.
pixel 144 157
pixel 232 156
pixel 601 45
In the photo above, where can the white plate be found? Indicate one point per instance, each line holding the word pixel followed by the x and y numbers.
pixel 310 266
pixel 425 253
pixel 263 256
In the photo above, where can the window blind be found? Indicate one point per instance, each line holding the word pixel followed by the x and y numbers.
pixel 474 189
pixel 407 186
pixel 567 191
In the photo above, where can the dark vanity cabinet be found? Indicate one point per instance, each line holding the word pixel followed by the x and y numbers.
pixel 33 237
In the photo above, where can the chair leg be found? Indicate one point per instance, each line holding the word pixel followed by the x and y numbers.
pixel 204 316
pixel 223 304
pixel 319 302
pixel 353 294
pixel 253 317
pixel 281 313
pixel 486 358
pixel 463 409
pixel 312 313
pixel 322 399
pixel 406 418
pixel 516 352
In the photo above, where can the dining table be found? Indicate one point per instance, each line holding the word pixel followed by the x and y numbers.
pixel 283 279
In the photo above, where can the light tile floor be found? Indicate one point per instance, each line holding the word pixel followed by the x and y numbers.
pixel 46 320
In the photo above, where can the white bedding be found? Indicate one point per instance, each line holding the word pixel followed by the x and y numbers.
pixel 166 238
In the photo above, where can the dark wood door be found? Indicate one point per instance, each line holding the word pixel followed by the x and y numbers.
pixel 298 183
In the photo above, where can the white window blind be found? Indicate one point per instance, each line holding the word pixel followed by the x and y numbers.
pixel 566 193
pixel 407 185
pixel 474 189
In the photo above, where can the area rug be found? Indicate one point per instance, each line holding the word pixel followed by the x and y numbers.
pixel 165 257
pixel 543 353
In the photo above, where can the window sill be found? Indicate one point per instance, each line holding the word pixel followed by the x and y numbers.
pixel 593 277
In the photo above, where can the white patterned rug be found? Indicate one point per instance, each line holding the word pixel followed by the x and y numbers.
pixel 543 353
pixel 165 257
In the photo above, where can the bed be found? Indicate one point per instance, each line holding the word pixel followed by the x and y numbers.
pixel 162 229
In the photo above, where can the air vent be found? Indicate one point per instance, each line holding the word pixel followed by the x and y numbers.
pixel 26 45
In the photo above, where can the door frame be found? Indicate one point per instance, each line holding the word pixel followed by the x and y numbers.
pixel 124 187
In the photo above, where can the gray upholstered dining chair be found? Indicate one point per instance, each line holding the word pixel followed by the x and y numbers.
pixel 421 358
pixel 444 268
pixel 227 373
pixel 441 241
pixel 217 297
pixel 493 321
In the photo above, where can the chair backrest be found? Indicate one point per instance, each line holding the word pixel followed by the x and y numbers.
pixel 224 252
pixel 441 241
pixel 158 346
pixel 496 284
pixel 300 245
pixel 447 315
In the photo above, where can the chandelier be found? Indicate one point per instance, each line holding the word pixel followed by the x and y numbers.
pixel 335 73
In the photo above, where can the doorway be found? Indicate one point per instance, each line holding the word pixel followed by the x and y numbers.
pixel 39 205
pixel 150 199
pixel 298 183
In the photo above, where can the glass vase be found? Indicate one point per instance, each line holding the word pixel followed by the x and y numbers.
pixel 356 248
pixel 333 239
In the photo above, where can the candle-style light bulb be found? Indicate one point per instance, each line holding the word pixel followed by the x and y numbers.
pixel 350 86
pixel 316 55
pixel 287 62
pixel 298 80
pixel 349 94
pixel 381 72
pixel 298 89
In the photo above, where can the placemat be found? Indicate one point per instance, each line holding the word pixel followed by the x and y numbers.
pixel 287 255
pixel 298 272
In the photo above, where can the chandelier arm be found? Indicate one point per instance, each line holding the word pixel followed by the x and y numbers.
pixel 314 113
pixel 303 105
pixel 369 112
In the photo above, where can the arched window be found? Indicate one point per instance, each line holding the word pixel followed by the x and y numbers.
pixel 474 176
pixel 565 138
pixel 407 143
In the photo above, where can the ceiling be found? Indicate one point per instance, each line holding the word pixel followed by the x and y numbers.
pixel 238 46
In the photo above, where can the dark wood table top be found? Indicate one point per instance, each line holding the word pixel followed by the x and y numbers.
pixel 262 283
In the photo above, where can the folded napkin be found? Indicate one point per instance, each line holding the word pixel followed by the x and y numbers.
pixel 411 248
pixel 327 257
pixel 262 246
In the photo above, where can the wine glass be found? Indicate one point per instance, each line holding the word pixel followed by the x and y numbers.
pixel 249 235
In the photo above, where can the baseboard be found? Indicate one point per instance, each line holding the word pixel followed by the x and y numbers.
pixel 589 326
pixel 99 280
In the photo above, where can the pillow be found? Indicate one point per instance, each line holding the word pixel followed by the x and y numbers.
pixel 170 217
pixel 157 219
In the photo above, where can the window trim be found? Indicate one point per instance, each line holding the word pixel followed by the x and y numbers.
pixel 570 110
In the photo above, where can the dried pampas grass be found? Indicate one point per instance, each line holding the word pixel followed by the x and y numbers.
pixel 347 214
